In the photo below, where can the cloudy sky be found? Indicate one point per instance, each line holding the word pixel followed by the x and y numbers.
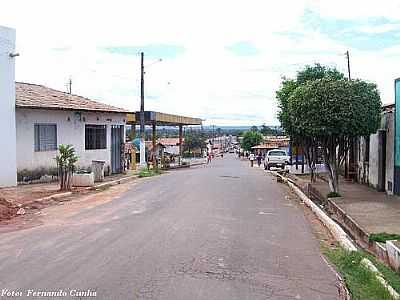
pixel 221 60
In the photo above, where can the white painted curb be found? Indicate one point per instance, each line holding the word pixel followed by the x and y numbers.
pixel 338 233
pixel 370 266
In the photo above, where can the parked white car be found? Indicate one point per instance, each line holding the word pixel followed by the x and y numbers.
pixel 276 158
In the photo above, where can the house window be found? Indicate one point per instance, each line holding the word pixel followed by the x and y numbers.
pixel 95 137
pixel 45 137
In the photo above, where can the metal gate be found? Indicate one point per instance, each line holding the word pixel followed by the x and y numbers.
pixel 117 134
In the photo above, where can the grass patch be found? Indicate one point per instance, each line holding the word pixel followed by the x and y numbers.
pixel 149 172
pixel 383 237
pixel 102 188
pixel 361 282
pixel 333 195
pixel 391 277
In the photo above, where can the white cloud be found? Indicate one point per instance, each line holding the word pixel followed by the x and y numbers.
pixel 353 9
pixel 58 39
pixel 379 29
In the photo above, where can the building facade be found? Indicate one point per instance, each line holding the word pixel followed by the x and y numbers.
pixel 171 145
pixel 7 112
pixel 376 154
pixel 46 118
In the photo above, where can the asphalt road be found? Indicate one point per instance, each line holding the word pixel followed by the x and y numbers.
pixel 223 231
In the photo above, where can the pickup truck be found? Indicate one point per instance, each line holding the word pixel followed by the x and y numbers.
pixel 276 158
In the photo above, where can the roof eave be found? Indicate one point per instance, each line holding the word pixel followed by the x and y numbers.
pixel 70 109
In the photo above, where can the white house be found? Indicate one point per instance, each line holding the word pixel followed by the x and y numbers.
pixel 8 173
pixel 46 118
pixel 171 145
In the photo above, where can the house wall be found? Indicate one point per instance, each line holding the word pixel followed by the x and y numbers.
pixel 172 149
pixel 8 174
pixel 70 130
pixel 362 164
pixel 389 125
pixel 368 172
pixel 373 160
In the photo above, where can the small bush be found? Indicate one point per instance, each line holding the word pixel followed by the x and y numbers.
pixel 383 237
pixel 26 175
pixel 149 172
pixel 66 160
pixel 333 195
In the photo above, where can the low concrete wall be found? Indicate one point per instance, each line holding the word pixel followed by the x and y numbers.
pixel 358 233
pixel 83 179
pixel 381 252
pixel 338 233
pixel 393 251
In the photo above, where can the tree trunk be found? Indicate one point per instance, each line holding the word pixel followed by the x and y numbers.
pixel 315 161
pixel 312 164
pixel 309 153
pixel 331 163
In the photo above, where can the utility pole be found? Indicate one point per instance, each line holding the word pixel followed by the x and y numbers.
pixel 70 85
pixel 142 125
pixel 348 63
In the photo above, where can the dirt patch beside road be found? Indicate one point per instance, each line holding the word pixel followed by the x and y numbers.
pixel 7 211
pixel 29 192
pixel 56 212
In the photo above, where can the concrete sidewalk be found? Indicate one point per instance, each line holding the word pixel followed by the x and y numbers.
pixel 373 211
pixel 320 168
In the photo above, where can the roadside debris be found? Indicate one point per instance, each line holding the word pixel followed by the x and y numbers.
pixel 21 211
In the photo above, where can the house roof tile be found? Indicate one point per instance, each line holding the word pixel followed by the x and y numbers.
pixel 169 141
pixel 29 95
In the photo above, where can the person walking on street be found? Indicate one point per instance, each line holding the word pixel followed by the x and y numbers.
pixel 251 157
pixel 209 158
pixel 259 157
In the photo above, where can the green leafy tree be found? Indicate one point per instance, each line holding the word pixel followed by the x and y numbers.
pixel 309 144
pixel 322 109
pixel 265 130
pixel 194 140
pixel 254 128
pixel 250 139
pixel 316 72
pixel 66 160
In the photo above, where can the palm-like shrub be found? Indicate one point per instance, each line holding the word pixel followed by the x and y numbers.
pixel 66 160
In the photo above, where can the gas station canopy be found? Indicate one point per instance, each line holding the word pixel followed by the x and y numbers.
pixel 162 119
